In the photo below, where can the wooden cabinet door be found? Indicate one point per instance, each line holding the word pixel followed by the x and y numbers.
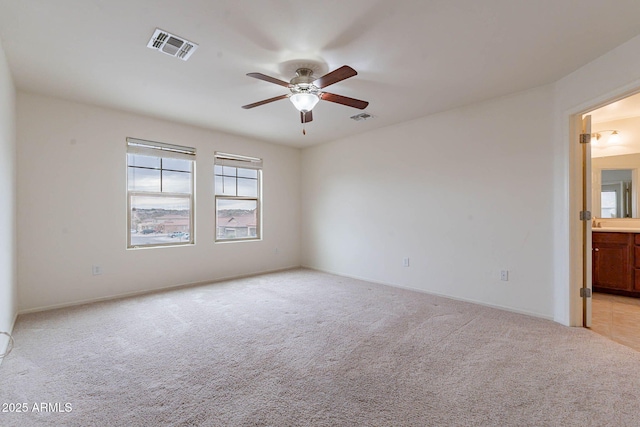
pixel 613 261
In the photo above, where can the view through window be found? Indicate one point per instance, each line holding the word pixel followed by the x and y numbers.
pixel 237 197
pixel 160 193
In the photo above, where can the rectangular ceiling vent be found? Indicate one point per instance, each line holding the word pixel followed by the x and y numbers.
pixel 170 44
pixel 361 117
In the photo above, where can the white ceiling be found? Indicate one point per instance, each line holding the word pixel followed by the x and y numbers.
pixel 622 116
pixel 625 108
pixel 414 58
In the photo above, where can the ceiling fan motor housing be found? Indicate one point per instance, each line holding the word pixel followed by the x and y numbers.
pixel 303 82
pixel 304 76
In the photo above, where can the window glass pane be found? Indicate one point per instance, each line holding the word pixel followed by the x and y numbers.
pixel 247 173
pixel 229 186
pixel 177 164
pixel 160 220
pixel 247 187
pixel 176 182
pixel 228 171
pixel 143 179
pixel 236 219
pixel 143 161
pixel 217 169
pixel 218 180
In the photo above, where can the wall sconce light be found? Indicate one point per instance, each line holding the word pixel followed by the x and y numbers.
pixel 613 139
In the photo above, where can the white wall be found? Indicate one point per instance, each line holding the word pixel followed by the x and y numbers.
pixel 8 269
pixel 377 196
pixel 72 206
pixel 463 194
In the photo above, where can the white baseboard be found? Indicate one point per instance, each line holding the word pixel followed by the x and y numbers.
pixel 151 291
pixel 394 285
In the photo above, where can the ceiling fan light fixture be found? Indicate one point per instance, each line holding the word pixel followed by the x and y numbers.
pixel 304 101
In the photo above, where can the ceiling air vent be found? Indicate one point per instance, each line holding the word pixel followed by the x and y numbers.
pixel 362 116
pixel 171 44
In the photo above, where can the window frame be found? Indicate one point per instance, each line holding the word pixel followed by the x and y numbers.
pixel 163 151
pixel 242 162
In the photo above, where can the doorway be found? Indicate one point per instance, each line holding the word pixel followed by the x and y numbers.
pixel 614 165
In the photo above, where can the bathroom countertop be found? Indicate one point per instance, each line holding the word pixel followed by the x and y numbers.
pixel 616 229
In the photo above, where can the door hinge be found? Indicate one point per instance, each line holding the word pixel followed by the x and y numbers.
pixel 585 138
pixel 585 293
pixel 585 215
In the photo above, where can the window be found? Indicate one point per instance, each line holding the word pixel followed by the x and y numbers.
pixel 609 203
pixel 237 198
pixel 160 193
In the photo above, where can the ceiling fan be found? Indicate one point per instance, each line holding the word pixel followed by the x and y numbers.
pixel 306 90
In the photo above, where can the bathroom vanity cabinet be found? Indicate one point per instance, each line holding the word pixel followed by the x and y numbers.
pixel 616 263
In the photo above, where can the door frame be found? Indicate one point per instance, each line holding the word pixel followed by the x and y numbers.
pixel 576 189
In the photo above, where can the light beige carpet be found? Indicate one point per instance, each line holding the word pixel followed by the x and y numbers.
pixel 302 348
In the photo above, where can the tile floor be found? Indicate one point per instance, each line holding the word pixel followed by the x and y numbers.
pixel 617 318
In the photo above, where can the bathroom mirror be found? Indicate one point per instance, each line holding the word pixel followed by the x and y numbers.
pixel 615 189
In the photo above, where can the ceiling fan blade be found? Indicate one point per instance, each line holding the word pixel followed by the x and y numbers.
pixel 265 101
pixel 266 78
pixel 335 76
pixel 306 117
pixel 344 100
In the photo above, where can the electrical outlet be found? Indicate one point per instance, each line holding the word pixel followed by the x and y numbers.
pixel 504 275
pixel 405 262
pixel 96 270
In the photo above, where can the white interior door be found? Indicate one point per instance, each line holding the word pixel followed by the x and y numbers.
pixel 586 225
